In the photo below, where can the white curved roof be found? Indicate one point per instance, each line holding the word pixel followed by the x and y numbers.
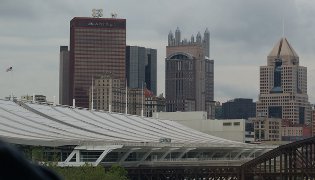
pixel 37 124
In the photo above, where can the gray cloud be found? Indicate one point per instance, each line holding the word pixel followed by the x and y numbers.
pixel 242 34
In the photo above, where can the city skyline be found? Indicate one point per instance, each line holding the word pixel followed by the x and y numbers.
pixel 241 36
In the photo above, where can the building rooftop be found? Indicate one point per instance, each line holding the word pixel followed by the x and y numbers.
pixel 283 48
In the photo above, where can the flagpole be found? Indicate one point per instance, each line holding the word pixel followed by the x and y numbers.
pixel 142 100
pixel 110 89
pixel 10 69
pixel 92 95
pixel 12 97
pixel 126 107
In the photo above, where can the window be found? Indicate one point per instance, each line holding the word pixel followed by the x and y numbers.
pixel 227 124
pixel 236 123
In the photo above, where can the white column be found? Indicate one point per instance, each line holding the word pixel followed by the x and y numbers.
pixel 54 101
pixel 73 103
pixel 33 97
pixel 110 97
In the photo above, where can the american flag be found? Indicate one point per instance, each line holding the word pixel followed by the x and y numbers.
pixel 9 69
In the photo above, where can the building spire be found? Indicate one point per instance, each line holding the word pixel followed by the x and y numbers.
pixel 177 36
pixel 198 37
pixel 283 48
pixel 170 38
pixel 207 31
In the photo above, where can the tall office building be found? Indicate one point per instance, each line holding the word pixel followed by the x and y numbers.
pixel 141 67
pixel 97 47
pixel 64 76
pixel 239 108
pixel 107 91
pixel 189 75
pixel 283 86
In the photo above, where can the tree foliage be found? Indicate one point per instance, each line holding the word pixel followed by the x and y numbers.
pixel 38 155
pixel 89 172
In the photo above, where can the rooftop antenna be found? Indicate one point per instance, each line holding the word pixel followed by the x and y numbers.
pixel 282 26
pixel 113 14
pixel 97 13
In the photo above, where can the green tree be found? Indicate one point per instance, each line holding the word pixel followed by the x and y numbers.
pixel 37 154
pixel 118 172
pixel 89 172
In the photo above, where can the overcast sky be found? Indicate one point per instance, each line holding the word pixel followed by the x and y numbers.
pixel 243 32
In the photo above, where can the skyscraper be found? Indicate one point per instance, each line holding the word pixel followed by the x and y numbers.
pixel 283 86
pixel 64 76
pixel 239 108
pixel 141 67
pixel 189 75
pixel 97 46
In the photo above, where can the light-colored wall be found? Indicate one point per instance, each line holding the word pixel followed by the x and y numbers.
pixel 181 116
pixel 196 120
pixel 216 128
pixel 194 50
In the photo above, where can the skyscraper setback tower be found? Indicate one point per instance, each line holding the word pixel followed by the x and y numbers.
pixel 189 74
pixel 97 46
pixel 283 86
pixel 141 67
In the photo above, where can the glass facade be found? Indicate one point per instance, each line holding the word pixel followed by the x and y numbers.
pixel 97 46
pixel 141 67
pixel 64 76
pixel 239 108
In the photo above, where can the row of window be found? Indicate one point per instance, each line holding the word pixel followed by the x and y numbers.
pixel 99 31
pixel 230 123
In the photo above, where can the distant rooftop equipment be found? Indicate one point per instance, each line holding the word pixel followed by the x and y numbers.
pixel 114 15
pixel 165 140
pixel 97 13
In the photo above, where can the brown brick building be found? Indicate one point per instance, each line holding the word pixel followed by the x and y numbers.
pixel 189 75
pixel 97 46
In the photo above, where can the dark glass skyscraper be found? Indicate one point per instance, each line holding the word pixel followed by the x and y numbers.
pixel 64 76
pixel 141 67
pixel 97 46
pixel 239 108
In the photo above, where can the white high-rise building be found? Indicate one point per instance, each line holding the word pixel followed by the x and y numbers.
pixel 283 86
